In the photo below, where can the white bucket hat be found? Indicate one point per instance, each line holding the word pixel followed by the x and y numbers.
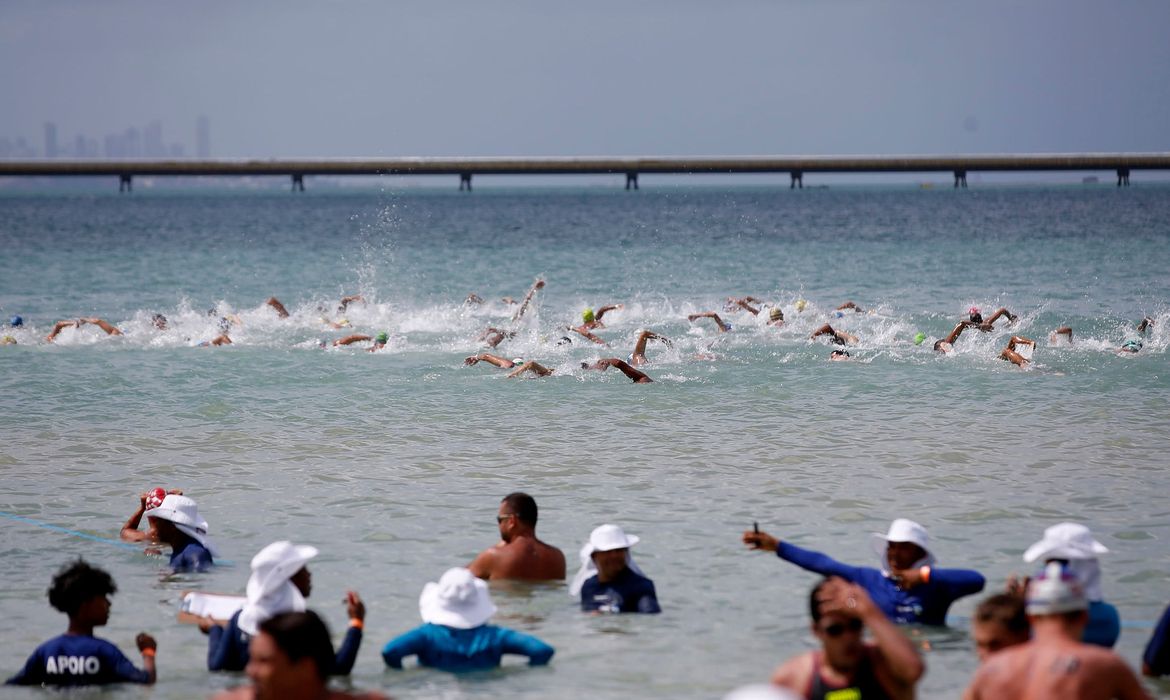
pixel 604 538
pixel 459 600
pixel 184 513
pixel 269 590
pixel 1054 592
pixel 1066 541
pixel 903 530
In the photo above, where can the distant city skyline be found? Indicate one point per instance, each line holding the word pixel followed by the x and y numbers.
pixel 144 141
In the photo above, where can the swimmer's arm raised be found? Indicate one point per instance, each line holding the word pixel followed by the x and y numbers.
pixel 58 327
pixel 277 306
pixel 957 331
pixel 713 316
pixel 130 531
pixel 102 324
pixel 349 339
pixel 501 362
pixel 538 284
pixel 743 304
pixel 605 309
pixel 585 332
pixel 347 300
pixel 637 376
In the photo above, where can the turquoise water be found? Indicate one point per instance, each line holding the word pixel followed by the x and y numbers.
pixel 393 463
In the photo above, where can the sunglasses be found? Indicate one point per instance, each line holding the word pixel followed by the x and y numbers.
pixel 502 518
pixel 838 628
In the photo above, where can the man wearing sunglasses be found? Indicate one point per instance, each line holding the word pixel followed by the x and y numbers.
pixel 846 666
pixel 519 554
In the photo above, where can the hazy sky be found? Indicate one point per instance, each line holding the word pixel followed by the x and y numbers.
pixel 782 77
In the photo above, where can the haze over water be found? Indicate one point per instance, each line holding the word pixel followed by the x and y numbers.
pixel 393 463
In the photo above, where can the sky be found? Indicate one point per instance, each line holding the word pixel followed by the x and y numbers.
pixel 366 78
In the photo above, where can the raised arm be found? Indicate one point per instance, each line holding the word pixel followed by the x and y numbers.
pixel 347 300
pixel 538 284
pixel 277 306
pixel 58 327
pixel 350 644
pixel 723 327
pixel 850 305
pixel 607 308
pixel 896 656
pixel 957 331
pixel 1066 331
pixel 804 558
pixel 531 366
pixel 999 313
pixel 1017 340
pixel 501 362
pixel 639 355
pixel 743 304
pixel 585 332
pixel 1146 323
pixel 636 376
pixel 350 339
pixel 100 323
pixel 130 531
pixel 493 336
pixel 826 329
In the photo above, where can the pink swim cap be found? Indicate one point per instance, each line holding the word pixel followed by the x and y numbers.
pixel 973 310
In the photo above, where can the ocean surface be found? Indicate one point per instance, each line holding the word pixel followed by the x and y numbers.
pixel 393 463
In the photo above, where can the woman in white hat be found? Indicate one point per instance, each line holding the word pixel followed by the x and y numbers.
pixel 1072 545
pixel 178 525
pixel 907 587
pixel 609 580
pixel 456 635
pixel 279 583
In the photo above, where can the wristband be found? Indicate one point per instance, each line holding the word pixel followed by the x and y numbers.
pixel 148 653
pixel 357 623
pixel 924 574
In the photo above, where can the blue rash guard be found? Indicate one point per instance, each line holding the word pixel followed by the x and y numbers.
pixel 192 558
pixel 73 660
pixel 227 648
pixel 1104 625
pixel 453 649
pixel 925 603
pixel 1157 655
pixel 629 592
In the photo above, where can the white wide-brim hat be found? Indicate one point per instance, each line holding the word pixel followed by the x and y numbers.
pixel 458 600
pixel 276 564
pixel 1066 541
pixel 184 513
pixel 903 530
pixel 604 538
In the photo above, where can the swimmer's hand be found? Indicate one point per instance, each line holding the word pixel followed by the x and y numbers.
pixel 843 598
pixel 471 360
pixel 145 641
pixel 354 607
pixel 760 540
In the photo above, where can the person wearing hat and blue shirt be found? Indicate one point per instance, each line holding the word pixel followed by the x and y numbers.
pixel 609 580
pixel 177 524
pixel 279 583
pixel 908 587
pixel 456 635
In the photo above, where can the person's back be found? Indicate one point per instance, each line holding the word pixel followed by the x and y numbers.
pixel 1056 669
pixel 526 559
pixel 452 649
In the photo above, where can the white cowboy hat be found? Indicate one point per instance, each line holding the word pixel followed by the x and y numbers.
pixel 903 530
pixel 1066 541
pixel 604 538
pixel 269 590
pixel 184 513
pixel 458 600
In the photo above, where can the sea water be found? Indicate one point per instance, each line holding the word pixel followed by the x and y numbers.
pixel 393 463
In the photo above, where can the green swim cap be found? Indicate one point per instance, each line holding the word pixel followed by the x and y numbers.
pixel 587 314
pixel 382 338
pixel 919 337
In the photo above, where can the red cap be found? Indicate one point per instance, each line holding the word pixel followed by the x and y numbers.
pixel 154 498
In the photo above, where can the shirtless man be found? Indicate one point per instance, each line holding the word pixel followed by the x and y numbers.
pixel 723 327
pixel 999 622
pixel 838 337
pixel 1012 355
pixel 519 554
pixel 1055 664
pixel 62 325
pixel 887 667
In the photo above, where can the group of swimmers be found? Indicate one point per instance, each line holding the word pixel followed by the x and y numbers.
pixel 1018 350
pixel 1047 637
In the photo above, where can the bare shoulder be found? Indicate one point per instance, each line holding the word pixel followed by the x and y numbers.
pixel 368 695
pixel 244 692
pixel 795 673
pixel 483 564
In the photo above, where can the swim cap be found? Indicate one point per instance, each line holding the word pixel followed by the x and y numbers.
pixel 343 322
pixel 973 310
pixel 517 360
pixel 381 338
pixel 919 337
pixel 776 314
pixel 17 321
pixel 7 340
pixel 154 498
pixel 1132 345
pixel 839 314
pixel 587 315
pixel 801 304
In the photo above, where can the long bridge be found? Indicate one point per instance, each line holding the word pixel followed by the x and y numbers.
pixel 630 167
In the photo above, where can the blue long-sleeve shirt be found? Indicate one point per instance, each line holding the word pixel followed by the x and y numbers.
pixel 627 593
pixel 1104 625
pixel 227 648
pixel 452 649
pixel 925 603
pixel 1157 653
pixel 194 557
pixel 74 660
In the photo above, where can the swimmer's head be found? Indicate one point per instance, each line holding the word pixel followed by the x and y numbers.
pixel 16 321
pixel 224 324
pixel 159 321
pixel 381 338
pixel 973 315
pixel 587 315
pixel 839 355
pixel 919 337
pixel 517 361
pixel 1132 346
pixel 343 322
pixel 776 314
pixel 155 497
pixel 801 305
pixel 7 340
pixel 565 340
pixel 943 346
pixel 839 314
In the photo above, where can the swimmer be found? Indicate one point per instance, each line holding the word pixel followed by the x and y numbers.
pixel 347 300
pixel 16 321
pixel 501 362
pixel 530 366
pixel 947 344
pixel 492 337
pixel 801 305
pixel 1011 355
pixel 221 339
pixel 975 319
pixel 1145 324
pixel 336 325
pixel 838 337
pixel 380 340
pixel 1056 336
pixel 723 327
pixel 591 320
pixel 159 321
pixel 1129 347
pixel 62 325
pixel 775 317
pixel 838 356
pixel 638 357
pixel 585 333
pixel 745 303
pixel 851 305
pixel 538 284
pixel 277 306
pixel 635 376
pixel 7 340
pixel 146 501
pixel 473 298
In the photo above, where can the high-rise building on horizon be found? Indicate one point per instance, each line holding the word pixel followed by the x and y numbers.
pixel 50 140
pixel 203 137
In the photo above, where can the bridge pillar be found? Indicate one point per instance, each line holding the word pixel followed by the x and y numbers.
pixel 961 179
pixel 298 182
pixel 464 182
pixel 124 183
pixel 797 180
pixel 631 181
pixel 1123 177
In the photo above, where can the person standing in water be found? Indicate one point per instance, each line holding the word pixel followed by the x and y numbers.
pixel 519 554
